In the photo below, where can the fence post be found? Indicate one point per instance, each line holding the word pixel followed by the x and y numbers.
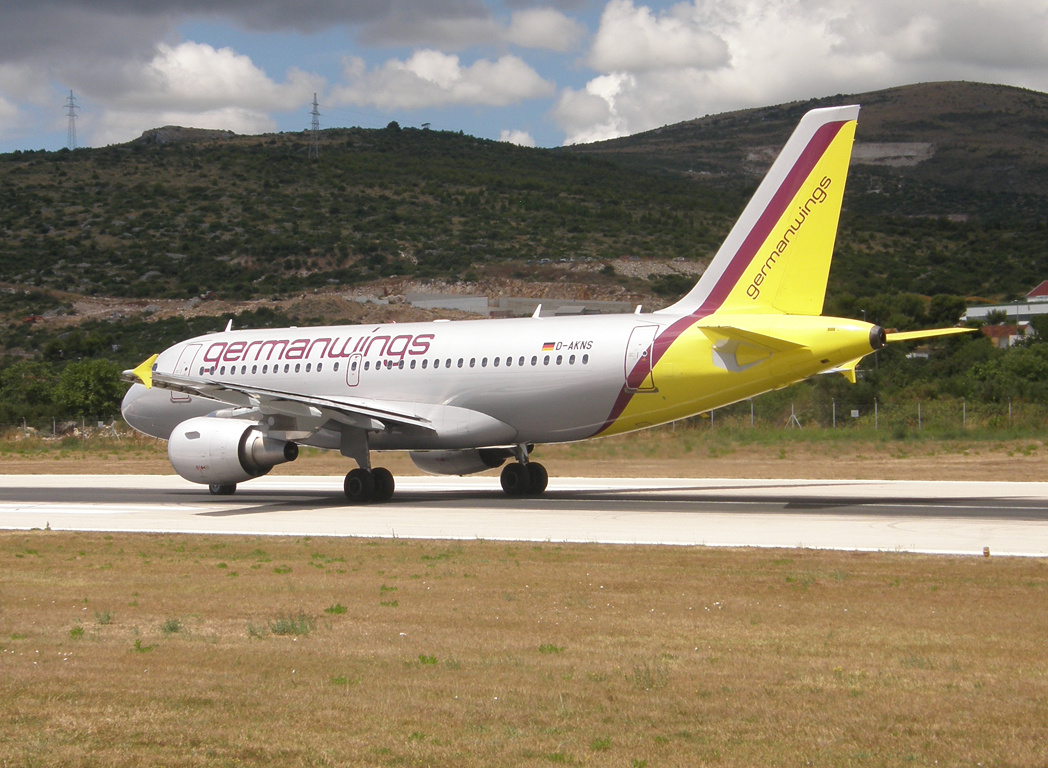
pixel 711 418
pixel 918 415
pixel 964 414
pixel 875 426
pixel 1009 413
pixel 833 402
pixel 751 411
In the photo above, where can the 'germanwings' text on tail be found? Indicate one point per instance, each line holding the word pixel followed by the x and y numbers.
pixel 467 396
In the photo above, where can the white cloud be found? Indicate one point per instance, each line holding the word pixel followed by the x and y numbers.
pixel 194 77
pixel 544 28
pixel 434 79
pixel 659 68
pixel 115 126
pixel 591 114
pixel 195 85
pixel 9 118
pixel 635 39
pixel 521 138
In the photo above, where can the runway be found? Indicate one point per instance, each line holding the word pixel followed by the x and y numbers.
pixel 933 517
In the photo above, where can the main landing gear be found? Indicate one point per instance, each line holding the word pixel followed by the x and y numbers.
pixel 524 479
pixel 363 485
pixel 222 490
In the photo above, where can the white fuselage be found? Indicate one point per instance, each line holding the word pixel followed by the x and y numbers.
pixel 536 380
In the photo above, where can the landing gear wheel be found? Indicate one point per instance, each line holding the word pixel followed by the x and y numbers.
pixel 538 478
pixel 515 479
pixel 359 486
pixel 222 490
pixel 384 484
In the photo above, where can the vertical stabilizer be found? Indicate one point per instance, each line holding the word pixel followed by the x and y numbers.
pixel 776 259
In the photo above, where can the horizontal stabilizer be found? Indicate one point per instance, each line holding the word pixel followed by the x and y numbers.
pixel 929 334
pixel 773 343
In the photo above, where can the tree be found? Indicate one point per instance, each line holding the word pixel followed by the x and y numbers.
pixel 946 309
pixel 90 388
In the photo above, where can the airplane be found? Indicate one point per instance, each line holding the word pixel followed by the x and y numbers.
pixel 464 397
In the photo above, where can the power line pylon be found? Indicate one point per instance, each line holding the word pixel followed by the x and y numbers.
pixel 71 108
pixel 314 129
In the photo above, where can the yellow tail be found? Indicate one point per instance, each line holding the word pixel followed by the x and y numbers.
pixel 776 259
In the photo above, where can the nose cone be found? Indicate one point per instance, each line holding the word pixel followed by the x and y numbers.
pixel 156 413
pixel 149 411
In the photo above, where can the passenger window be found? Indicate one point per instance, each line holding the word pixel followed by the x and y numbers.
pixel 496 362
pixel 222 371
pixel 265 369
pixel 545 360
pixel 254 369
pixel 447 363
pixel 484 363
pixel 560 359
pixel 320 367
pixel 298 367
pixel 472 362
pixel 571 360
pixel 367 364
pixel 308 366
pixel 424 362
pixel 412 365
pixel 534 360
pixel 287 368
pixel 201 370
pixel 336 366
pixel 352 367
pixel 400 365
pixel 460 362
pixel 436 363
pixel 585 359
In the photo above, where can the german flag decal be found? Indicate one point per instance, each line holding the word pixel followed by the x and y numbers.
pixel 549 346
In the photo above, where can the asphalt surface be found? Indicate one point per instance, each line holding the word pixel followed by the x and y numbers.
pixel 956 518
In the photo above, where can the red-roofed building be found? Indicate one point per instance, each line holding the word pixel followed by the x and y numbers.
pixel 1040 293
pixel 1004 336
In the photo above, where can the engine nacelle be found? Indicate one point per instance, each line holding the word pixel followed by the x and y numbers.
pixel 215 451
pixel 462 462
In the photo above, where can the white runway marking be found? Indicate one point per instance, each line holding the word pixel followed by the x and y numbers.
pixel 1009 518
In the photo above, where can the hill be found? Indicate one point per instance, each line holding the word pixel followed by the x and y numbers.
pixel 954 148
pixel 948 195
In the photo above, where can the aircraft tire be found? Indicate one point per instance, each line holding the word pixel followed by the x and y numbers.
pixel 515 479
pixel 222 490
pixel 538 478
pixel 384 484
pixel 359 486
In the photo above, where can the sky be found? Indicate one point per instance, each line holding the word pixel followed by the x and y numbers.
pixel 530 72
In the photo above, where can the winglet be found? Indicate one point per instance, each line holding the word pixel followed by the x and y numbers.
pixel 538 312
pixel 144 372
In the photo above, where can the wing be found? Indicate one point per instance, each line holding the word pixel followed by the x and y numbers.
pixel 308 411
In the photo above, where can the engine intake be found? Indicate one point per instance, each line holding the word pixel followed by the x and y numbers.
pixel 461 462
pixel 214 451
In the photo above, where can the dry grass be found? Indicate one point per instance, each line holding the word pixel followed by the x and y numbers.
pixel 662 452
pixel 182 650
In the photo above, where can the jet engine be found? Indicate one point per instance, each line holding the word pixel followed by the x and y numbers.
pixel 461 462
pixel 223 452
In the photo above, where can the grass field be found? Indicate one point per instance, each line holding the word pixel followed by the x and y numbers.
pixel 179 650
pixel 692 451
